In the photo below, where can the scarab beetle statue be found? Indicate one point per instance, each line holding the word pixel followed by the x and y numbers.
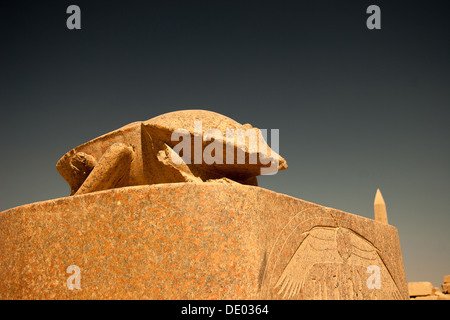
pixel 143 153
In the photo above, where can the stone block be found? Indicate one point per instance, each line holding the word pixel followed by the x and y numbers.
pixel 195 241
pixel 420 289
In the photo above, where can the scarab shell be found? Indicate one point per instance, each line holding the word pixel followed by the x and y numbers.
pixel 142 153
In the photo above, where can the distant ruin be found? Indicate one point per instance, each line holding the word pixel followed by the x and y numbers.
pixel 426 291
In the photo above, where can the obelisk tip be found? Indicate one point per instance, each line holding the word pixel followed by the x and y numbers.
pixel 380 208
pixel 378 197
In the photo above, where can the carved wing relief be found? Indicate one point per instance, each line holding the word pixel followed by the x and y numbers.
pixel 331 263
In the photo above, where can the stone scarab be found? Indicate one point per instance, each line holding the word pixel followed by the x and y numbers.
pixel 142 153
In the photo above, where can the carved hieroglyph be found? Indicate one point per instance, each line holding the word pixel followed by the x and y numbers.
pixel 328 258
pixel 333 263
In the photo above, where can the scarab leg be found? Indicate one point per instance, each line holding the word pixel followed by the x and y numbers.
pixel 111 171
pixel 81 165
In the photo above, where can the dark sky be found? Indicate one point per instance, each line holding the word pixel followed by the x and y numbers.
pixel 357 109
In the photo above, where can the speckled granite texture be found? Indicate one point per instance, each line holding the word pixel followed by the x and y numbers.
pixel 195 241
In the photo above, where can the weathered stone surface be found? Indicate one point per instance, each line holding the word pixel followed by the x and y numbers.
pixel 152 145
pixel 447 279
pixel 82 165
pixel 420 288
pixel 195 241
pixel 421 291
pixel 446 287
pixel 436 291
pixel 112 170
